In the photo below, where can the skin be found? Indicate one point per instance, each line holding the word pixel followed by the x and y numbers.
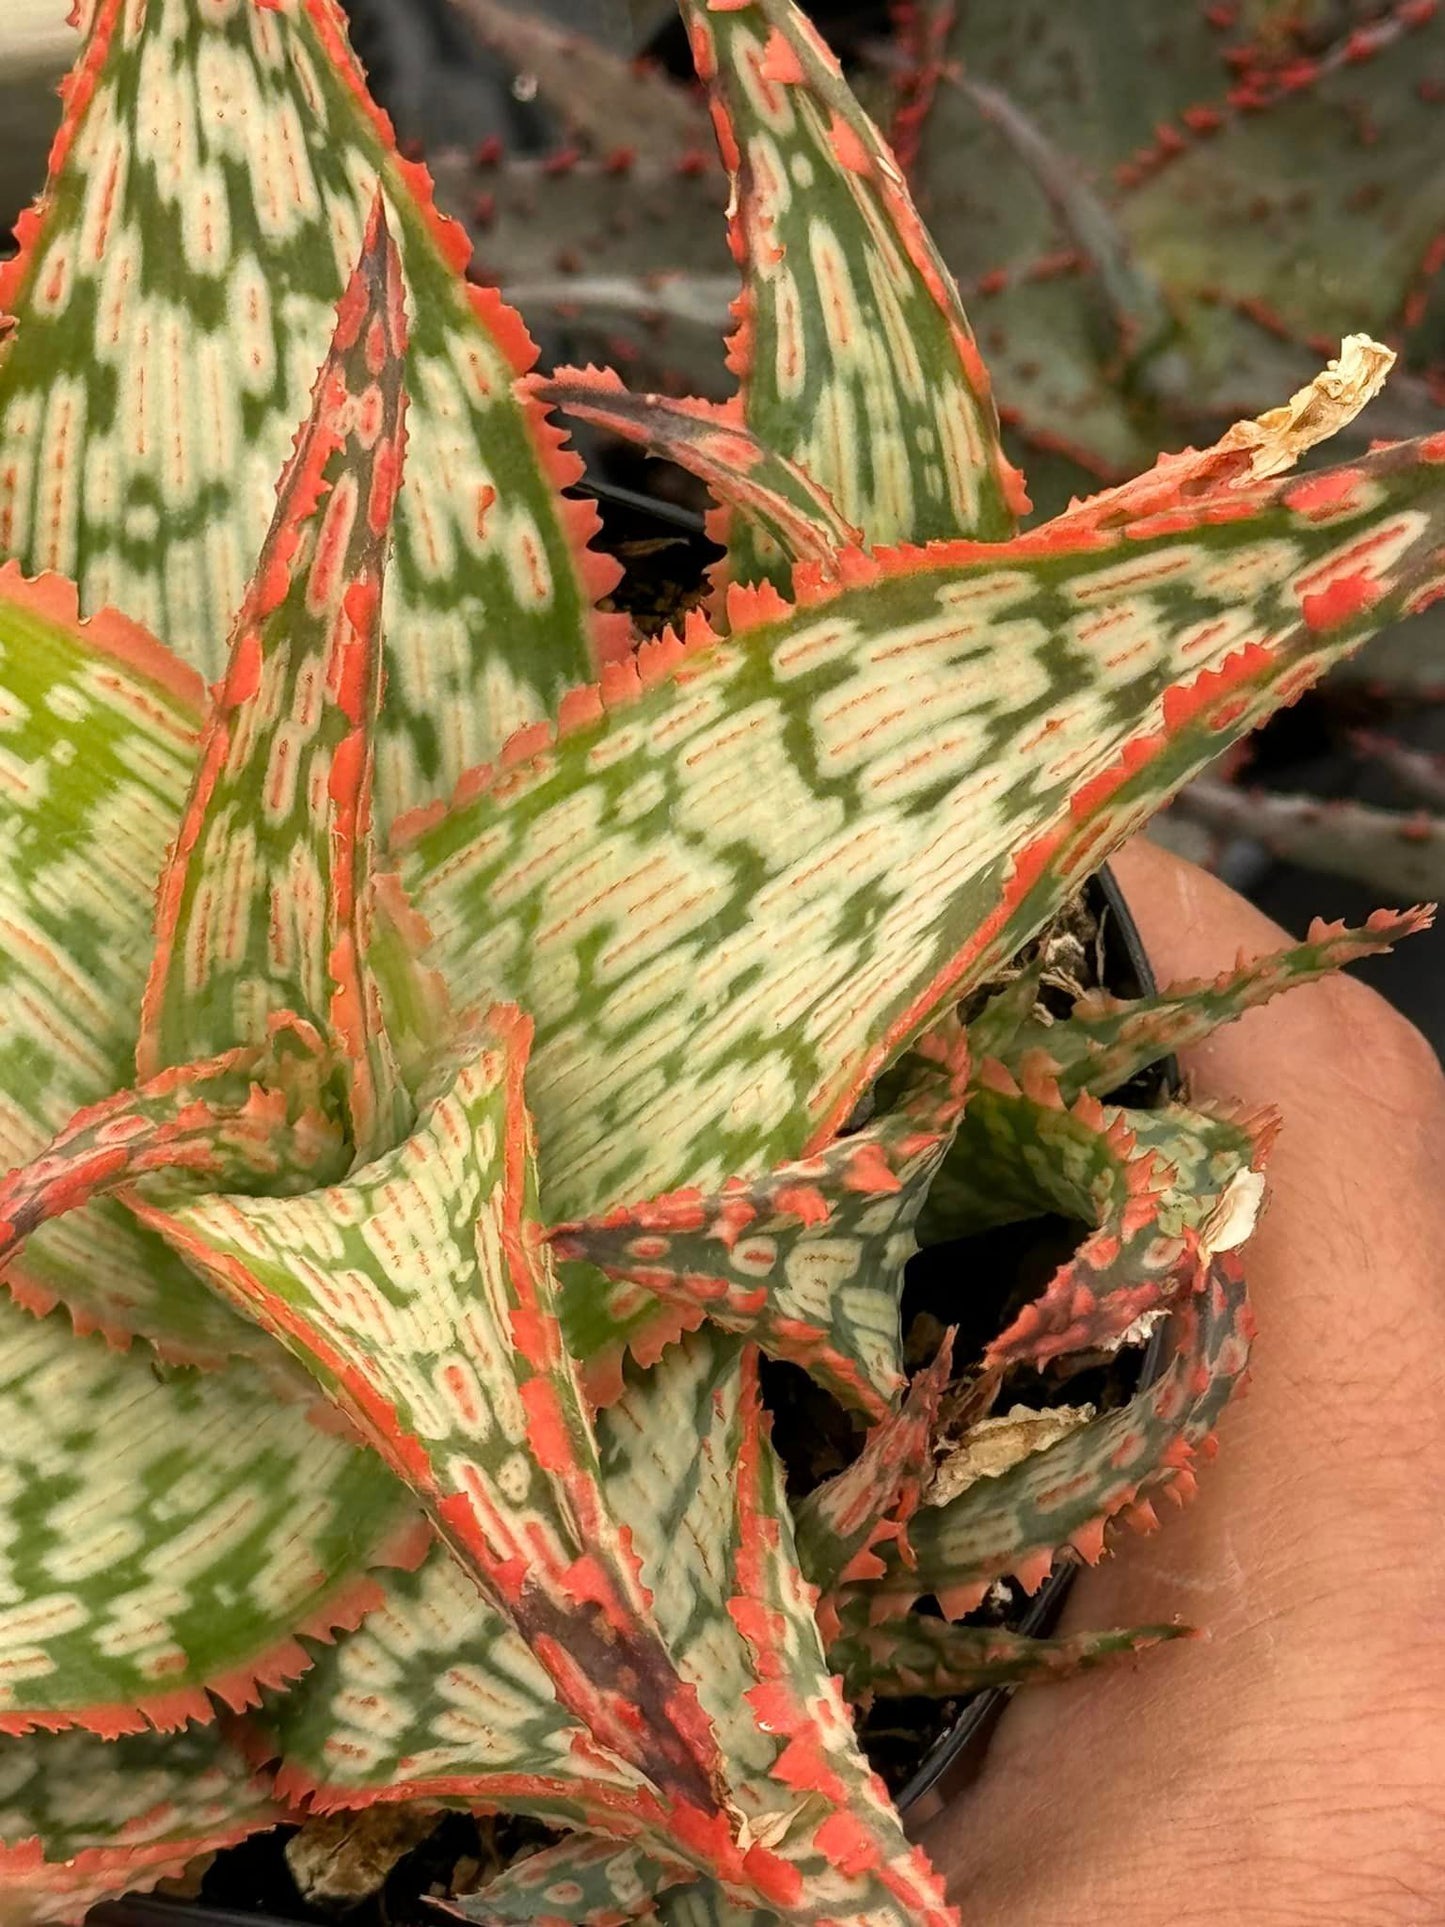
pixel 1290 1770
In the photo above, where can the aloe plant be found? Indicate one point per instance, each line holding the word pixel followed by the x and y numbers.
pixel 414 1156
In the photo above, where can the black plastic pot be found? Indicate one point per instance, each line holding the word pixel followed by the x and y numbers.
pixel 956 1756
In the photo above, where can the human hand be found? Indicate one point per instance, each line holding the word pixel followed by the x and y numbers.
pixel 1291 1769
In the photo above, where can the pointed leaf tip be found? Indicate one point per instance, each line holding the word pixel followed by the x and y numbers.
pixel 265 903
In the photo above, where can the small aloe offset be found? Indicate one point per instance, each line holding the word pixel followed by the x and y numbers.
pixel 414 1158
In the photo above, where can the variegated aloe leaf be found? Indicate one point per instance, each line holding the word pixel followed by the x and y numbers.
pixel 419 1294
pixel 688 1460
pixel 266 902
pixel 780 500
pixel 807 1261
pixel 98 728
pixel 437 1697
pixel 214 1121
pixel 170 1534
pixel 932 1657
pixel 841 1522
pixel 587 1879
pixel 1105 1040
pixel 174 295
pixel 1185 1184
pixel 82 1821
pixel 706 1904
pixel 729 896
pixel 854 354
pixel 1014 1522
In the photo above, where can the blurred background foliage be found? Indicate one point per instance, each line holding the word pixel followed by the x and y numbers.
pixel 1164 214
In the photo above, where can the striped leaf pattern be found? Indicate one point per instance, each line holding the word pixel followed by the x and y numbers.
pixel 854 355
pixel 587 1879
pixel 214 1122
pixel 266 901
pixel 777 498
pixel 174 296
pixel 170 1534
pixel 743 874
pixel 840 1524
pixel 734 894
pixel 1174 1187
pixel 717 1553
pixel 1063 1496
pixel 98 746
pixel 436 1696
pixel 419 1294
pixel 81 1821
pixel 1106 1040
pixel 807 1262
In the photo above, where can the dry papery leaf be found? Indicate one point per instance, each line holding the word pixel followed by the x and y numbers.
pixel 995 1444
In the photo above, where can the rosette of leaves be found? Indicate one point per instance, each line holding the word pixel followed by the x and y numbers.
pixel 433 1054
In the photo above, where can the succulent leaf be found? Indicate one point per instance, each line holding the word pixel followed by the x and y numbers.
pixel 266 902
pixel 920 1655
pixel 1341 162
pixel 1014 1523
pixel 587 1879
pixel 437 1697
pixel 841 1522
pixel 717 1551
pixel 759 867
pixel 807 1262
pixel 780 499
pixel 171 1534
pixel 80 1820
pixel 855 357
pixel 1187 1184
pixel 174 295
pixel 418 1292
pixel 99 747
pixel 1106 1040
pixel 1161 1189
pixel 213 1120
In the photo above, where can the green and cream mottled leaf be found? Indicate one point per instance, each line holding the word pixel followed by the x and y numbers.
pixel 1106 1040
pixel 98 732
pixel 716 1543
pixel 82 1820
pixel 587 1879
pixel 419 1294
pixel 706 1904
pixel 779 499
pixel 436 1697
pixel 174 297
pixel 1014 1522
pixel 729 895
pixel 807 1262
pixel 1173 1186
pixel 919 1655
pixel 266 903
pixel 855 357
pixel 216 1122
pixel 169 1534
